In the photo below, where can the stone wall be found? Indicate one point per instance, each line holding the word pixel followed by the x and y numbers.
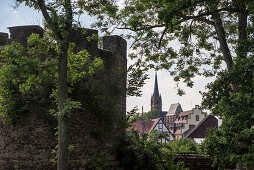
pixel 29 143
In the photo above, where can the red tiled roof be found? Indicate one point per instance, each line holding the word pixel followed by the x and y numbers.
pixel 181 117
pixel 186 113
pixel 143 126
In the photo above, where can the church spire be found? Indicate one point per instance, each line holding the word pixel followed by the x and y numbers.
pixel 156 102
pixel 156 89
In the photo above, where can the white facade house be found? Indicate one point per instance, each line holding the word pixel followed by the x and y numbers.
pixel 195 117
pixel 162 128
pixel 186 121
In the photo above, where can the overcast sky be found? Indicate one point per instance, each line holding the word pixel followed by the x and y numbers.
pixel 26 16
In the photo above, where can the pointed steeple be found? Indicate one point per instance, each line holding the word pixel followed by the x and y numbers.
pixel 156 89
pixel 156 102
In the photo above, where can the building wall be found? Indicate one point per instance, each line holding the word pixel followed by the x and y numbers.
pixel 201 131
pixel 160 127
pixel 29 143
pixel 172 114
pixel 156 103
pixel 192 118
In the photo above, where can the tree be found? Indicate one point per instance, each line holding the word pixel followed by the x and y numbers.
pixel 153 114
pixel 233 141
pixel 197 25
pixel 150 153
pixel 59 18
pixel 208 32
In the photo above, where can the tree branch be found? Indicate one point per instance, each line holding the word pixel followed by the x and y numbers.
pixel 142 28
pixel 162 35
pixel 201 16
pixel 48 19
pixel 207 21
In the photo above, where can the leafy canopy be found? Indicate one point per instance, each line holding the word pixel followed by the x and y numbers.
pixel 186 37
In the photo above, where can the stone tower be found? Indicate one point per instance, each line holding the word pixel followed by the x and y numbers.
pixel 156 102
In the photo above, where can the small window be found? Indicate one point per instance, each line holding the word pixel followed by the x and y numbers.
pixel 160 126
pixel 197 117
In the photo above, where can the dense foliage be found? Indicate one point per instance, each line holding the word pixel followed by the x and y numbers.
pixel 234 140
pixel 30 74
pixel 149 153
pixel 145 116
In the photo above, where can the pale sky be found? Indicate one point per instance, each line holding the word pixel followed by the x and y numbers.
pixel 26 16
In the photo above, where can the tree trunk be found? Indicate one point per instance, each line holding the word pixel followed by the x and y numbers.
pixel 62 163
pixel 223 42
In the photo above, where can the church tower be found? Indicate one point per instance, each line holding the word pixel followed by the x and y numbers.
pixel 156 102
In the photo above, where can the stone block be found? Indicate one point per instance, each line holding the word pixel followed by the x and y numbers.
pixel 3 38
pixel 85 39
pixel 118 46
pixel 21 33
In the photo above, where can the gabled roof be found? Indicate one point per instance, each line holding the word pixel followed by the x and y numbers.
pixel 144 125
pixel 173 108
pixel 200 130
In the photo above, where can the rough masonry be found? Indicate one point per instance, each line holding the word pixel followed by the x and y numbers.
pixel 29 143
